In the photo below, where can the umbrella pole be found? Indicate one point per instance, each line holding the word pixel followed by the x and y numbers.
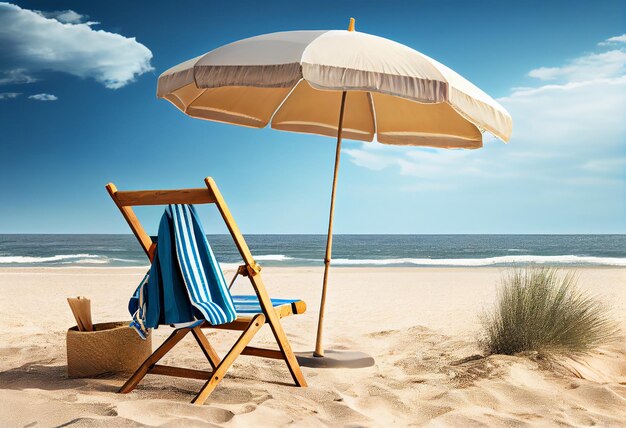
pixel 319 348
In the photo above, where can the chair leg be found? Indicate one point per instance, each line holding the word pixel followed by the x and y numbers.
pixel 165 347
pixel 207 349
pixel 288 355
pixel 221 369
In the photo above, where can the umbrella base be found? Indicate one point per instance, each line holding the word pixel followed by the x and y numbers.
pixel 335 360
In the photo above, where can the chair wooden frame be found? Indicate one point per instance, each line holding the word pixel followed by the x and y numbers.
pixel 249 326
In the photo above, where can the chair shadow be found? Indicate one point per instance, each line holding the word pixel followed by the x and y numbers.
pixel 39 375
pixel 36 375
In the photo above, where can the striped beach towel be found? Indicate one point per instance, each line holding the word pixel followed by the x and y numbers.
pixel 185 284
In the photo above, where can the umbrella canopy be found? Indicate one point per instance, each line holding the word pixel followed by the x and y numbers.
pixel 339 84
pixel 294 81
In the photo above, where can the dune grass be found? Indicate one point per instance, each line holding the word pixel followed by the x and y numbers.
pixel 541 309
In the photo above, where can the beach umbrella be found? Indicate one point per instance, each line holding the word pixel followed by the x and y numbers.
pixel 337 83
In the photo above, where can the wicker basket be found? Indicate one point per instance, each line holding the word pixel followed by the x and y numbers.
pixel 112 348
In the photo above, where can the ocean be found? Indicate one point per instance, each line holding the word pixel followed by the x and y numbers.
pixel 348 250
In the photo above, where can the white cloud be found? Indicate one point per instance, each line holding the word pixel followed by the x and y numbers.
pixel 421 163
pixel 570 132
pixel 9 95
pixel 584 115
pixel 607 165
pixel 43 97
pixel 613 40
pixel 64 16
pixel 16 76
pixel 593 66
pixel 31 43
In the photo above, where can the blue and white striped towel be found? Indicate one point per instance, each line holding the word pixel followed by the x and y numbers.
pixel 207 288
pixel 158 299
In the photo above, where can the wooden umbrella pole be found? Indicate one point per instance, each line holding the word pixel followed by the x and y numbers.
pixel 319 348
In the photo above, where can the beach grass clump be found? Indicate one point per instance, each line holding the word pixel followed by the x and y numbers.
pixel 542 310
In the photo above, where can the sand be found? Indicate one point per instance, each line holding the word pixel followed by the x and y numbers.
pixel 418 323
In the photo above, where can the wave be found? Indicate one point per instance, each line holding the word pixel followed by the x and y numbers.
pixel 64 259
pixel 273 258
pixel 279 259
pixel 261 258
pixel 88 262
pixel 114 259
pixel 49 259
pixel 488 261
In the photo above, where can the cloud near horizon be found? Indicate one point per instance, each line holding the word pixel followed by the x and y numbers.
pixel 569 129
pixel 34 42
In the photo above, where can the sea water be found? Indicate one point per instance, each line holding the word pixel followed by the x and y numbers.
pixel 348 250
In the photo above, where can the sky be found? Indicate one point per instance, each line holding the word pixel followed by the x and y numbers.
pixel 78 109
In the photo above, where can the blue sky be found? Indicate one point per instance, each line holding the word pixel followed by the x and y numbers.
pixel 81 111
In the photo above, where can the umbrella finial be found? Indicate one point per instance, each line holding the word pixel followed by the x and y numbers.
pixel 351 25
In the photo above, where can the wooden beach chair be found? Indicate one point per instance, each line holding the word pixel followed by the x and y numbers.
pixel 259 309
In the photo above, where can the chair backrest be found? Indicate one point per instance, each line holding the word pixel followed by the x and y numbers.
pixel 126 200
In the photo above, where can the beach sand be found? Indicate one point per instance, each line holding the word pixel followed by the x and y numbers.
pixel 418 323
